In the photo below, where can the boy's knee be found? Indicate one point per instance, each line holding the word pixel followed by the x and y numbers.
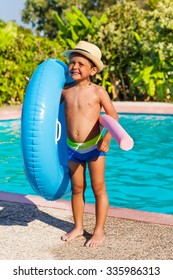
pixel 99 189
pixel 77 189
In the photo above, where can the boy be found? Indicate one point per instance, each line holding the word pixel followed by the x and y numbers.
pixel 83 102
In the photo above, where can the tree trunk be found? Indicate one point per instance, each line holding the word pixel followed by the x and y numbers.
pixel 114 87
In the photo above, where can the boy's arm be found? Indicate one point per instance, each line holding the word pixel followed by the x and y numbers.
pixel 107 105
pixel 110 110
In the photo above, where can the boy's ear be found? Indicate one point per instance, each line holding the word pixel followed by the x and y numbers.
pixel 94 71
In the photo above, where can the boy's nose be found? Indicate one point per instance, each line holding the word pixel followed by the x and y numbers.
pixel 74 65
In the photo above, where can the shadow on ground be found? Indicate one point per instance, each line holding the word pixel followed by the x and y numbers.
pixel 22 214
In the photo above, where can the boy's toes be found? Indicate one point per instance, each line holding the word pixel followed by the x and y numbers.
pixel 95 241
pixel 72 235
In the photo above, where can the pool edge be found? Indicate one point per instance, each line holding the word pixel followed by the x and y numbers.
pixel 119 213
pixel 9 112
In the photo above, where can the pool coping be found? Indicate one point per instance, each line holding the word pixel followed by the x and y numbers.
pixel 14 112
pixel 119 213
pixel 8 112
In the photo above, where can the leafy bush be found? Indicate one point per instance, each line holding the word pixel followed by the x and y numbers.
pixel 20 53
pixel 136 45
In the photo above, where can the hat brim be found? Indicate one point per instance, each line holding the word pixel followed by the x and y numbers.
pixel 97 62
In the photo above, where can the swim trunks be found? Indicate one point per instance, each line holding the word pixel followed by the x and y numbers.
pixel 84 152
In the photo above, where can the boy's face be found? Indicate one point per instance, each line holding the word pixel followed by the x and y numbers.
pixel 80 67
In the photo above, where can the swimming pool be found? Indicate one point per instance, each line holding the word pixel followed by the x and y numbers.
pixel 141 178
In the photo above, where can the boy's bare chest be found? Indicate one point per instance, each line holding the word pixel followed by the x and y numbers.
pixel 78 101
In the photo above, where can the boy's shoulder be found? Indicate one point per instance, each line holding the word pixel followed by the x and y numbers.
pixel 100 89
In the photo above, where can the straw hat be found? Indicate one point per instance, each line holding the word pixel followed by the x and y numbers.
pixel 90 51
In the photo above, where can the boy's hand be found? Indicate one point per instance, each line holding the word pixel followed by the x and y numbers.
pixel 103 145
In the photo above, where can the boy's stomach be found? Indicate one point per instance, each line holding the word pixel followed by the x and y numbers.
pixel 82 133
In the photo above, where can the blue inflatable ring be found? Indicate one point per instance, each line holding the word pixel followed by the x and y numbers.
pixel 43 131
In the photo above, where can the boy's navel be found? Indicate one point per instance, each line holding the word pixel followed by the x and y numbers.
pixel 77 133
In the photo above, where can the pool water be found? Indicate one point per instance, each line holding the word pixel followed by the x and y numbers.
pixel 141 178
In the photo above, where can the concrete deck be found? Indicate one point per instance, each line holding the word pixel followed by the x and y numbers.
pixel 31 228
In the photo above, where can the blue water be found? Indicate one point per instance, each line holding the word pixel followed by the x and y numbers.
pixel 141 178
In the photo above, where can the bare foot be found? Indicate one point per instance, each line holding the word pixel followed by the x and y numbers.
pixel 72 234
pixel 96 240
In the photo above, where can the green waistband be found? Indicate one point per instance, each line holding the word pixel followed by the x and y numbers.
pixel 84 145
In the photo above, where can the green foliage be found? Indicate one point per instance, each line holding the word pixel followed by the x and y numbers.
pixel 39 13
pixel 152 4
pixel 152 75
pixel 136 44
pixel 20 53
pixel 137 47
pixel 76 26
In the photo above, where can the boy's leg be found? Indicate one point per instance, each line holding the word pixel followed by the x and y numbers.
pixel 77 172
pixel 96 169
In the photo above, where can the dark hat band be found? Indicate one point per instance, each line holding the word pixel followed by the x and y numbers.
pixel 81 50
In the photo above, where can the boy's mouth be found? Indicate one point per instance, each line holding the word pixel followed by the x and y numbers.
pixel 74 73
